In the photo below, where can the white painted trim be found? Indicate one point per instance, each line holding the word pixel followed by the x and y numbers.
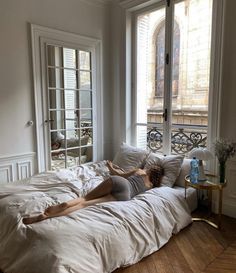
pixel 132 5
pixel 97 3
pixel 17 156
pixel 40 35
pixel 27 165
pixel 8 170
pixel 216 76
pixel 15 166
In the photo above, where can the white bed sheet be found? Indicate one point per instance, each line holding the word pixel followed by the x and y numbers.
pixel 97 239
pixel 191 196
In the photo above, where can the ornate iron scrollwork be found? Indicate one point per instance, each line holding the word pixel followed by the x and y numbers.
pixel 86 131
pixel 181 142
pixel 154 139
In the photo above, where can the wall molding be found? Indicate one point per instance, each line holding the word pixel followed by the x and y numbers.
pixel 132 5
pixel 97 3
pixel 6 173
pixel 17 167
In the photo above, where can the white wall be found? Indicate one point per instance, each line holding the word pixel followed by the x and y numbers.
pixel 16 85
pixel 228 102
pixel 228 117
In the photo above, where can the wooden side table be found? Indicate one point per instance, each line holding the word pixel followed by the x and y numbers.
pixel 212 183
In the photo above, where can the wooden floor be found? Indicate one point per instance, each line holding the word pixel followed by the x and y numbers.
pixel 197 248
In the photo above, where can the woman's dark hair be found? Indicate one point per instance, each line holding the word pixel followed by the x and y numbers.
pixel 155 175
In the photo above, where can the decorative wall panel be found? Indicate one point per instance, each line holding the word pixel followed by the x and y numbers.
pixel 17 167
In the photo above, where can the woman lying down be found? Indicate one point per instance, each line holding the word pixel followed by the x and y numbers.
pixel 120 186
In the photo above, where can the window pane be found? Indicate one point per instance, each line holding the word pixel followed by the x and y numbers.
pixel 71 119
pixel 54 55
pixel 58 160
pixel 72 139
pixel 69 58
pixel 57 120
pixel 85 99
pixel 190 107
pixel 85 80
pixel 150 73
pixel 70 79
pixel 56 99
pixel 57 140
pixel 86 118
pixel 55 78
pixel 84 60
pixel 71 99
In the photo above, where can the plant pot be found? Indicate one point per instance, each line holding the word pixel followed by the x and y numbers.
pixel 222 172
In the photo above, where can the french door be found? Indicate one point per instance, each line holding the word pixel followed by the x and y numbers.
pixel 68 101
pixel 172 79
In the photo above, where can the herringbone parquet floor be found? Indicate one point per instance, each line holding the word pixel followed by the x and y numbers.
pixel 199 248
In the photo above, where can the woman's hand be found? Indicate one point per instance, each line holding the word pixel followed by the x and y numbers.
pixel 114 169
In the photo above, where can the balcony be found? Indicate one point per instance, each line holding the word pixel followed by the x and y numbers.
pixel 183 138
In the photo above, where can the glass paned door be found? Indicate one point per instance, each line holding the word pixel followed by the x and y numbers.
pixel 70 111
pixel 191 51
pixel 150 46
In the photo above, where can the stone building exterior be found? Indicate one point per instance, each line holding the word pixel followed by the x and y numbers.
pixel 191 62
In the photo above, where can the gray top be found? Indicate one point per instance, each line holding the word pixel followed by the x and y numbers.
pixel 136 184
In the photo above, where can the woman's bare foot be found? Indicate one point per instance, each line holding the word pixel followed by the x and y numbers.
pixel 57 208
pixel 35 219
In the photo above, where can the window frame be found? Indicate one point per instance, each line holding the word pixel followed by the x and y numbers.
pixel 39 37
pixel 215 68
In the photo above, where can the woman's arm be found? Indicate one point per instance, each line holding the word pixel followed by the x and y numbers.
pixel 115 170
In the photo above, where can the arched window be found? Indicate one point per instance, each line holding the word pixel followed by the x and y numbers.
pixel 160 60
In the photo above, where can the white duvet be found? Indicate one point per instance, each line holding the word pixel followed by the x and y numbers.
pixel 97 239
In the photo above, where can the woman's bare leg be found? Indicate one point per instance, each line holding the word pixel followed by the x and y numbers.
pixel 64 205
pixel 101 190
pixel 34 219
pixel 84 204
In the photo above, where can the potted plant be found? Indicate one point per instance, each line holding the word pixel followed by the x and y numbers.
pixel 224 150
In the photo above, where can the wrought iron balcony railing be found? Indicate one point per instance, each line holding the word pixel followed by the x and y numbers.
pixel 183 138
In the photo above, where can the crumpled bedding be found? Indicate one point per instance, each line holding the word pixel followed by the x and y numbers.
pixel 99 238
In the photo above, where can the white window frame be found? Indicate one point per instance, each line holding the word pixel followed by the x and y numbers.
pixel 39 36
pixel 133 8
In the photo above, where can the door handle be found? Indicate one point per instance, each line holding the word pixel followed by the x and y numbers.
pixel 165 114
pixel 49 120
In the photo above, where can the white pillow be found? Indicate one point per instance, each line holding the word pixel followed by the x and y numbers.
pixel 171 165
pixel 185 170
pixel 129 157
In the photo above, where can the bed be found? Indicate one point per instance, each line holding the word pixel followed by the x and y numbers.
pixel 99 238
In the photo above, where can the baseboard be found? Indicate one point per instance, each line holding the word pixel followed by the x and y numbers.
pixel 17 167
pixel 229 209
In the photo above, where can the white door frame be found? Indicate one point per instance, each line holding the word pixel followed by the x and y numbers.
pixel 39 36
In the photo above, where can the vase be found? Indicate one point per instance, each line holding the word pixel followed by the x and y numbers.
pixel 222 172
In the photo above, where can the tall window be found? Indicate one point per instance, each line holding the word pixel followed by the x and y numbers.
pixel 160 60
pixel 173 76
